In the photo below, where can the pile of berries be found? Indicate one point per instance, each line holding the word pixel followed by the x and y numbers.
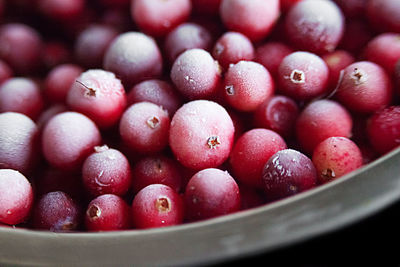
pixel 132 114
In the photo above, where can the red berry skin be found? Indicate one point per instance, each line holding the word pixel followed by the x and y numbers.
pixel 384 50
pixel 303 76
pixel 383 129
pixel 157 205
pixel 250 153
pixel 336 61
pixel 21 95
pixel 61 10
pixel 55 53
pixel 255 19
pixel 68 138
pixel 352 8
pixel 144 128
pixel 210 7
pixel 108 213
pixel 384 15
pixel 133 57
pixel 99 95
pixel 335 157
pixel 156 170
pixel 106 171
pixel 19 148
pixel 271 54
pixel 201 134
pixel 278 113
pixel 5 71
pixel 59 80
pixel 158 17
pixel 365 87
pixel 16 198
pixel 196 74
pixel 231 48
pixel 319 120
pixel 286 5
pixel 315 25
pixel 56 212
pixel 288 172
pixel 247 85
pixel 211 193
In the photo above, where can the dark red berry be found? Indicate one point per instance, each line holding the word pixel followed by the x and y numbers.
pixel 271 54
pixel 5 71
pixel 336 61
pixel 384 14
pixel 61 9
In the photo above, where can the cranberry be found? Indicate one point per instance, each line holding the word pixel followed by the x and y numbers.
pixel 210 193
pixel 195 74
pixel 61 9
pixel 16 197
pixel 156 170
pixel 99 95
pixel 157 205
pixel 158 17
pixel 315 25
pixel 255 19
pixel 384 14
pixel 287 173
pixel 144 128
pixel 201 134
pixel 271 54
pixel 250 153
pixel 59 80
pixel 107 213
pixel 49 113
pixel 18 142
pixel 55 53
pixel 383 129
pixel 21 95
pixel 319 120
pixel 335 157
pixel 57 212
pixel 133 57
pixel 303 75
pixel 231 48
pixel 365 87
pixel 247 85
pixel 68 138
pixel 250 197
pixel 352 8
pixel 286 5
pixel 210 7
pixel 5 71
pixel 106 171
pixel 158 92
pixel 336 62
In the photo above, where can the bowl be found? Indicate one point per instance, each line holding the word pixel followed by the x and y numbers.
pixel 296 219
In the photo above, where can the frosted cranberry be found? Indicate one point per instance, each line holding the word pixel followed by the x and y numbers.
pixel 278 113
pixel 158 92
pixel 106 171
pixel 210 7
pixel 365 87
pixel 107 213
pixel 68 138
pixel 144 127
pixel 158 17
pixel 18 142
pixel 5 71
pixel 99 95
pixel 195 74
pixel 133 57
pixel 247 85
pixel 250 153
pixel 184 37
pixel 20 47
pixel 49 113
pixel 21 95
pixel 255 19
pixel 92 43
pixel 271 54
pixel 16 197
pixel 250 197
pixel 352 8
pixel 157 205
pixel 61 9
pixel 384 14
pixel 384 49
pixel 336 62
pixel 335 157
pixel 303 75
pixel 59 80
pixel 210 193
pixel 322 119
pixel 231 48
pixel 201 134
pixel 286 173
pixel 55 53
pixel 57 212
pixel 383 129
pixel 156 170
pixel 356 35
pixel 315 25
